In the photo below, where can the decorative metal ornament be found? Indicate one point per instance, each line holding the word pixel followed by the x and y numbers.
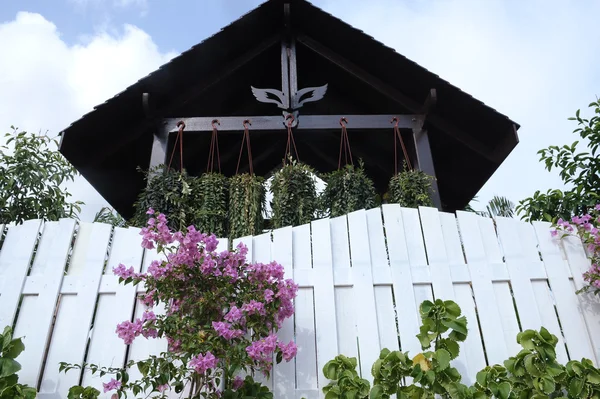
pixel 301 97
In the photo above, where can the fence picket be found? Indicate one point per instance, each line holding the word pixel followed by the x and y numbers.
pixel 15 256
pixel 406 306
pixel 115 305
pixel 79 293
pixel 364 295
pixel 567 304
pixel 324 297
pixel 483 289
pixel 34 323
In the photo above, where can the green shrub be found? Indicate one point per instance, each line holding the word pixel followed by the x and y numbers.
pixel 348 189
pixel 294 192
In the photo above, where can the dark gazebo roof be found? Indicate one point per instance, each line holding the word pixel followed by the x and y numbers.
pixel 469 140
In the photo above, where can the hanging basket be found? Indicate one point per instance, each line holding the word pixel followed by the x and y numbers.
pixel 411 188
pixel 167 192
pixel 348 189
pixel 246 204
pixel 295 200
pixel 209 202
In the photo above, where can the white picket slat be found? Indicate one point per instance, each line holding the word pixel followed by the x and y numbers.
pixel 485 297
pixel 35 318
pixel 567 304
pixel 324 297
pixel 406 305
pixel 74 316
pixel 15 256
pixel 115 305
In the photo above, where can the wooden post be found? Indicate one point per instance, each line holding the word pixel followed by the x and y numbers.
pixel 424 162
pixel 159 147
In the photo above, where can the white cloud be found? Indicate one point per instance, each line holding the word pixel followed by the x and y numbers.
pixel 536 61
pixel 47 84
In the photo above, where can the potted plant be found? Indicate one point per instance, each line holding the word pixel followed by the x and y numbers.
pixel 411 188
pixel 295 200
pixel 348 189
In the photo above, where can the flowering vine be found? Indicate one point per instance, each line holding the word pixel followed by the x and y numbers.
pixel 220 318
pixel 586 226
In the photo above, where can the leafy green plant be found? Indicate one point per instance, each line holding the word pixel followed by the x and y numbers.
pixel 246 204
pixel 348 189
pixel 578 170
pixel 32 174
pixel 167 191
pixel 411 188
pixel 10 349
pixel 78 392
pixel 533 373
pixel 109 216
pixel 208 203
pixel 295 200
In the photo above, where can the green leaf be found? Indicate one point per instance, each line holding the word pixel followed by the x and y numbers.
pixel 575 387
pixel 459 325
pixel 443 358
pixel 8 366
pixel 376 392
pixel 503 390
pixel 15 348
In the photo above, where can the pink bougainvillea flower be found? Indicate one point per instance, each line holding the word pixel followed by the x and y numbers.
pixel 110 385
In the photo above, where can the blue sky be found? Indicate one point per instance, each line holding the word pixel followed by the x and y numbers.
pixel 536 61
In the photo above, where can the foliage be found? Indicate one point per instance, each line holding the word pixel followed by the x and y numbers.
pixel 533 373
pixel 348 190
pixel 579 170
pixel 78 392
pixel 499 206
pixel 246 204
pixel 221 317
pixel 295 200
pixel 167 191
pixel 209 203
pixel 411 188
pixel 31 176
pixel 109 216
pixel 587 228
pixel 10 349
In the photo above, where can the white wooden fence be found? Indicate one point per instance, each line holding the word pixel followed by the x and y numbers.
pixel 362 278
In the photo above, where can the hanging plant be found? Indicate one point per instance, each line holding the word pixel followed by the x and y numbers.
pixel 411 188
pixel 208 203
pixel 295 198
pixel 348 189
pixel 246 203
pixel 167 191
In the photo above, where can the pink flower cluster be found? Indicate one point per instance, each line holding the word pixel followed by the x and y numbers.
pixel 110 385
pixel 262 351
pixel 127 330
pixel 201 363
pixel 224 330
pixel 586 227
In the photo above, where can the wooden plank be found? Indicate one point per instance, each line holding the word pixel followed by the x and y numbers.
pixel 472 349
pixel 485 297
pixel 545 303
pixel 74 316
pixel 115 305
pixel 384 299
pixel 579 263
pixel 37 312
pixel 344 302
pixel 283 376
pixel 405 300
pixel 324 298
pixel 567 304
pixel 262 252
pixel 518 267
pixel 364 296
pixel 15 256
pixel 436 254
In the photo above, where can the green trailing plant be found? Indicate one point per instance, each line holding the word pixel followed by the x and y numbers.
pixel 295 200
pixel 411 188
pixel 109 216
pixel 534 373
pixel 32 177
pixel 208 203
pixel 247 195
pixel 348 189
pixel 78 392
pixel 10 349
pixel 167 191
pixel 579 171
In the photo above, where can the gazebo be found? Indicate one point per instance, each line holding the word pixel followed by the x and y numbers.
pixel 288 65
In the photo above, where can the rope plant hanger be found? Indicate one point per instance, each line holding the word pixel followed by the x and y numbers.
pixel 409 187
pixel 246 195
pixel 209 192
pixel 290 141
pixel 348 189
pixel 179 138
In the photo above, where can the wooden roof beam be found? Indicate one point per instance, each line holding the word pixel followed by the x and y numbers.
pixel 400 98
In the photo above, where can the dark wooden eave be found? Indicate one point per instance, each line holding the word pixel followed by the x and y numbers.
pixel 468 139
